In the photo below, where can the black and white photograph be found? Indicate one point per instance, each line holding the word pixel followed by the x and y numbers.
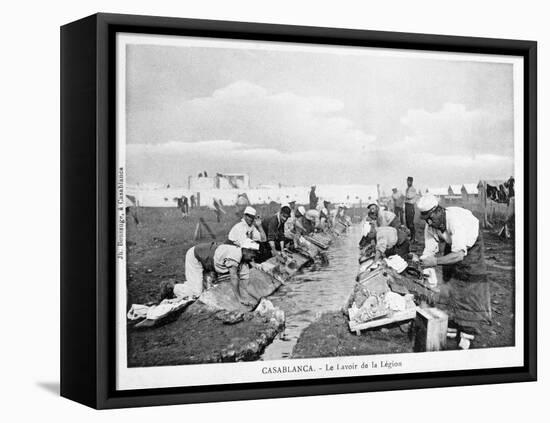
pixel 299 211
pixel 313 211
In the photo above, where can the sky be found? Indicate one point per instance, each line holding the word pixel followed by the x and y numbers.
pixel 315 116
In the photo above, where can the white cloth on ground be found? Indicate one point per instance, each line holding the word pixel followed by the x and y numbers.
pixel 397 263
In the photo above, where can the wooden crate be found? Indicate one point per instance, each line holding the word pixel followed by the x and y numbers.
pixel 431 329
pixel 400 316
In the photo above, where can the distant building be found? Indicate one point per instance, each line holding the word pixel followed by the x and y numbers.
pixel 439 192
pixel 470 192
pixel 232 181
pixel 220 181
pixel 455 190
pixel 200 183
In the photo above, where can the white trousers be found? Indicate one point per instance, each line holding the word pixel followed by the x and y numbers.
pixel 193 277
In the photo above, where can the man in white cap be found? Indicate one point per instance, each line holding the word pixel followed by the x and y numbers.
pixel 381 217
pixel 387 240
pixel 324 222
pixel 410 201
pixel 250 227
pixel 305 221
pixel 398 200
pixel 207 259
pixel 300 225
pixel 463 263
pixel 313 199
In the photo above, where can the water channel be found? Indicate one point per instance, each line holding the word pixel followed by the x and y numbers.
pixel 315 290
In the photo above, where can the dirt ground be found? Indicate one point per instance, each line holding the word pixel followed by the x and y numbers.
pixel 200 336
pixel 330 336
pixel 156 252
pixel 156 247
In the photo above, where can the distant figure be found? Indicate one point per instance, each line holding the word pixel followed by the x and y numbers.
pixel 200 175
pixel 242 203
pixel 324 220
pixel 339 215
pixel 313 199
pixel 410 201
pixel 131 208
pixel 183 205
pixel 218 209
pixel 398 200
pixel 205 174
pixel 193 201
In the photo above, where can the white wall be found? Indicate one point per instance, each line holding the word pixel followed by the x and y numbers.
pixel 30 158
pixel 164 197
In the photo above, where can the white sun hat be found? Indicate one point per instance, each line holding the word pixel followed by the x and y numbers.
pixel 250 210
pixel 250 245
pixel 312 215
pixel 427 202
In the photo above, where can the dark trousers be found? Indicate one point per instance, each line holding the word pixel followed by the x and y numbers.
pixel 409 219
pixel 399 214
pixel 469 297
pixel 401 250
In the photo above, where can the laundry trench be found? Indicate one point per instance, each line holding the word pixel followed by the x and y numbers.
pixel 315 290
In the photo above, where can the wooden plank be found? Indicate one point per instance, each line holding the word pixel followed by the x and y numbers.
pixel 197 235
pixel 399 316
pixel 431 330
pixel 316 241
pixel 202 221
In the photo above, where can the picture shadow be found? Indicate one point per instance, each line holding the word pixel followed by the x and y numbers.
pixel 51 387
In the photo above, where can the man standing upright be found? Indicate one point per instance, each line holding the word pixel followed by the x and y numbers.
pixel 313 199
pixel 410 201
pixel 398 200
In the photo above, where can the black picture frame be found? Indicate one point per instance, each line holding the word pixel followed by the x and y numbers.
pixel 88 191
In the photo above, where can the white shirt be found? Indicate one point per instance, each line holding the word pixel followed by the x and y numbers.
pixel 385 217
pixel 461 234
pixel 227 256
pixel 386 237
pixel 410 195
pixel 241 231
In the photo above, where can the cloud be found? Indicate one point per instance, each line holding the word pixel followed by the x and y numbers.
pixel 174 161
pixel 287 138
pixel 454 130
pixel 248 114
